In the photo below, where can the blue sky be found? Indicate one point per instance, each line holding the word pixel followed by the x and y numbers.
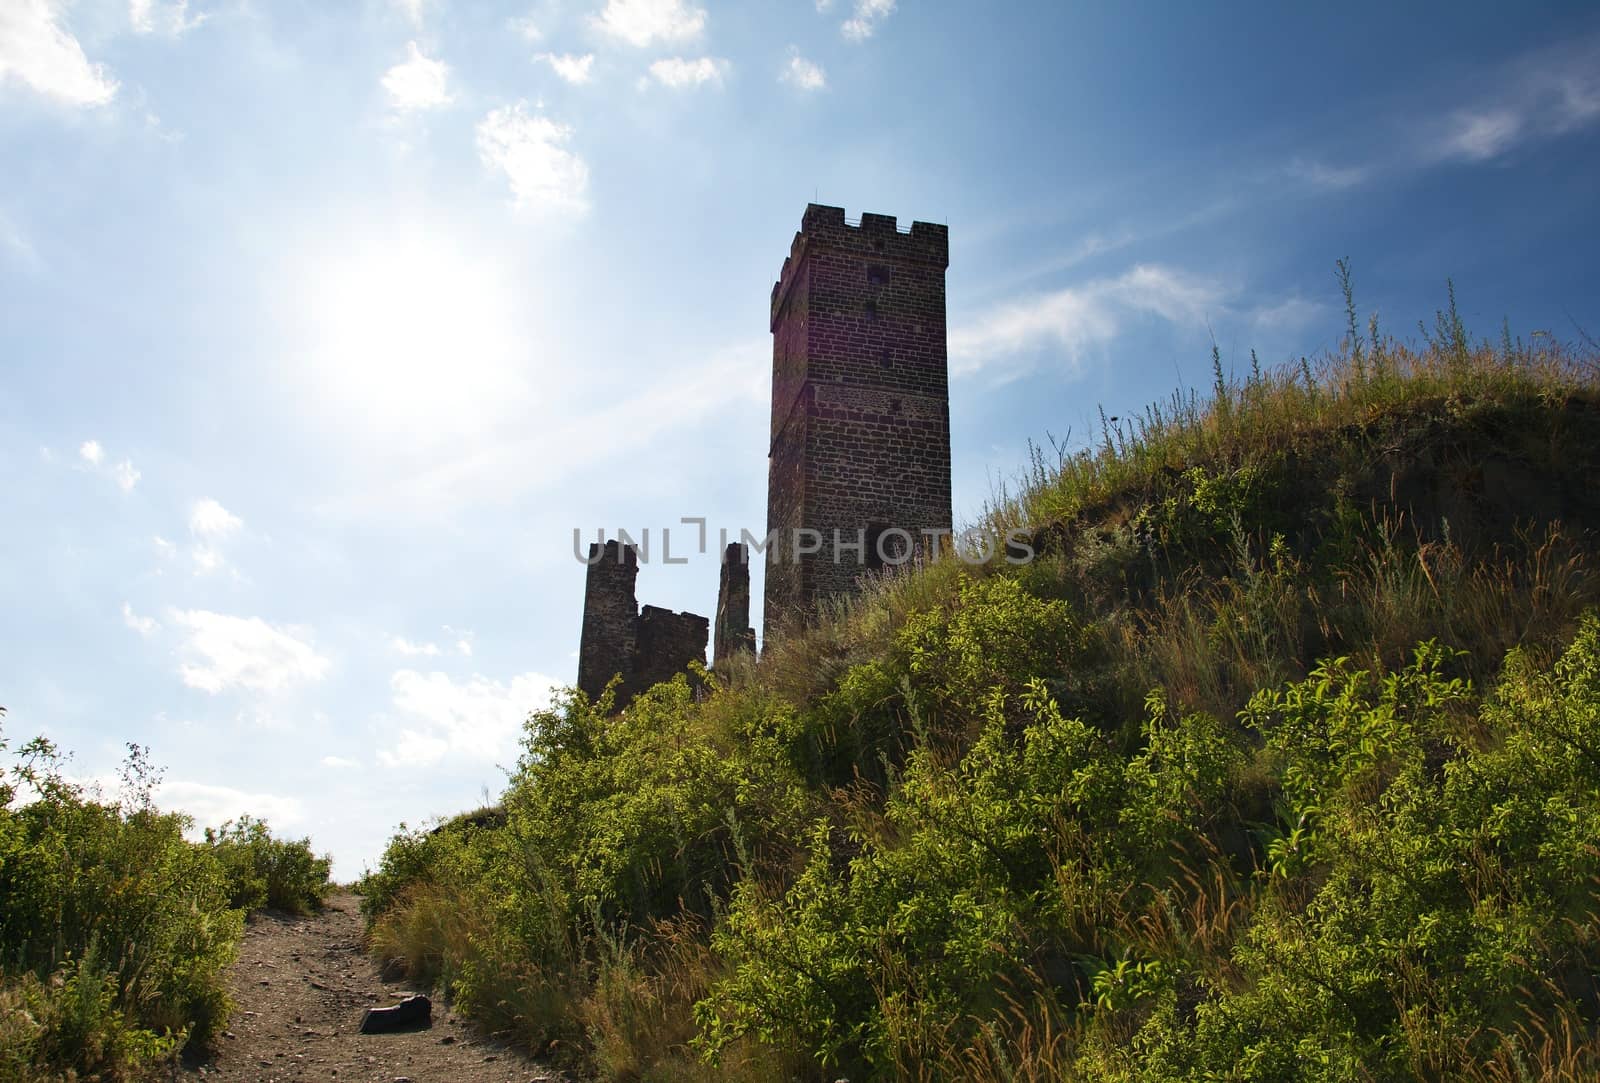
pixel 324 325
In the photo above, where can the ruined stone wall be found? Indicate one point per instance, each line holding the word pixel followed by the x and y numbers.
pixel 861 420
pixel 665 644
pixel 644 648
pixel 734 633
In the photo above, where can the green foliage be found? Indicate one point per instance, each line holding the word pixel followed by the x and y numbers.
pixel 264 871
pixel 115 930
pixel 1445 900
pixel 1267 768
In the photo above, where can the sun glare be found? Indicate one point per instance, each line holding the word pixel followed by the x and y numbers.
pixel 413 335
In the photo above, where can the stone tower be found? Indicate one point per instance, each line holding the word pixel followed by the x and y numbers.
pixel 858 471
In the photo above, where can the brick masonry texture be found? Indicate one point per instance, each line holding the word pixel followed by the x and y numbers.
pixel 860 437
pixel 644 648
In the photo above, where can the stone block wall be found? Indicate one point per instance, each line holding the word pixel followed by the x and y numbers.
pixel 734 633
pixel 860 439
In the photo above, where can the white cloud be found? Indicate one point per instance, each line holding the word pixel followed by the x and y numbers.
pixel 342 763
pixel 571 67
pixel 864 22
pixel 36 51
pixel 1288 315
pixel 1321 175
pixel 1542 95
pixel 645 22
pixel 412 10
pixel 678 73
pixel 531 152
pixel 244 652
pixel 145 626
pixel 213 805
pixel 527 27
pixel 212 525
pixel 475 719
pixel 163 547
pixel 404 646
pixel 802 73
pixel 209 519
pixel 1479 136
pixel 153 16
pixel 1074 319
pixel 125 475
pixel 418 82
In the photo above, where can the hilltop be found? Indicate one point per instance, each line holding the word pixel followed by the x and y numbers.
pixel 1279 760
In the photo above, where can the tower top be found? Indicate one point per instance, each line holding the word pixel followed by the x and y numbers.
pixel 873 237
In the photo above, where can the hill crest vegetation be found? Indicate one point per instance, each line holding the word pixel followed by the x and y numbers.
pixel 1281 761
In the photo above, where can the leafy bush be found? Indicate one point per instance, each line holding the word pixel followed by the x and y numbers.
pixel 1276 764
pixel 115 930
pixel 264 871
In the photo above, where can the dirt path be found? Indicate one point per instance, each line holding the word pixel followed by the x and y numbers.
pixel 299 989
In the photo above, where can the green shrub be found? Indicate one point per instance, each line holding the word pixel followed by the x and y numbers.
pixel 115 930
pixel 264 871
pixel 1182 799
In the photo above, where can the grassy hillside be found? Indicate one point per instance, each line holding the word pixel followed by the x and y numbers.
pixel 1281 760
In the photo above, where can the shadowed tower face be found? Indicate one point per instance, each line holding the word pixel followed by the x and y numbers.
pixel 858 473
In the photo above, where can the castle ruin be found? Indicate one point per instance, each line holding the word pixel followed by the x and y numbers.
pixel 858 473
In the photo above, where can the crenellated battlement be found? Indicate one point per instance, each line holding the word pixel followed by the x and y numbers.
pixel 873 236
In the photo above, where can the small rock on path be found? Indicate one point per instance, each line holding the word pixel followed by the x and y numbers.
pixel 299 989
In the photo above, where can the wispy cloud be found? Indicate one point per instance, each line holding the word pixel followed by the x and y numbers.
pixel 679 74
pixel 402 645
pixel 93 457
pixel 211 525
pixel 1480 136
pixel 863 22
pixel 155 17
pixel 145 626
pixel 1290 314
pixel 14 242
pixel 802 73
pixel 412 10
pixel 1541 96
pixel 1320 174
pixel 418 82
pixel 647 22
pixel 531 151
pixel 223 652
pixel 476 719
pixel 571 67
pixel 732 379
pixel 37 51
pixel 526 27
pixel 1068 322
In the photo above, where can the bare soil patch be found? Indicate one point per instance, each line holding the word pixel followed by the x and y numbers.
pixel 299 988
